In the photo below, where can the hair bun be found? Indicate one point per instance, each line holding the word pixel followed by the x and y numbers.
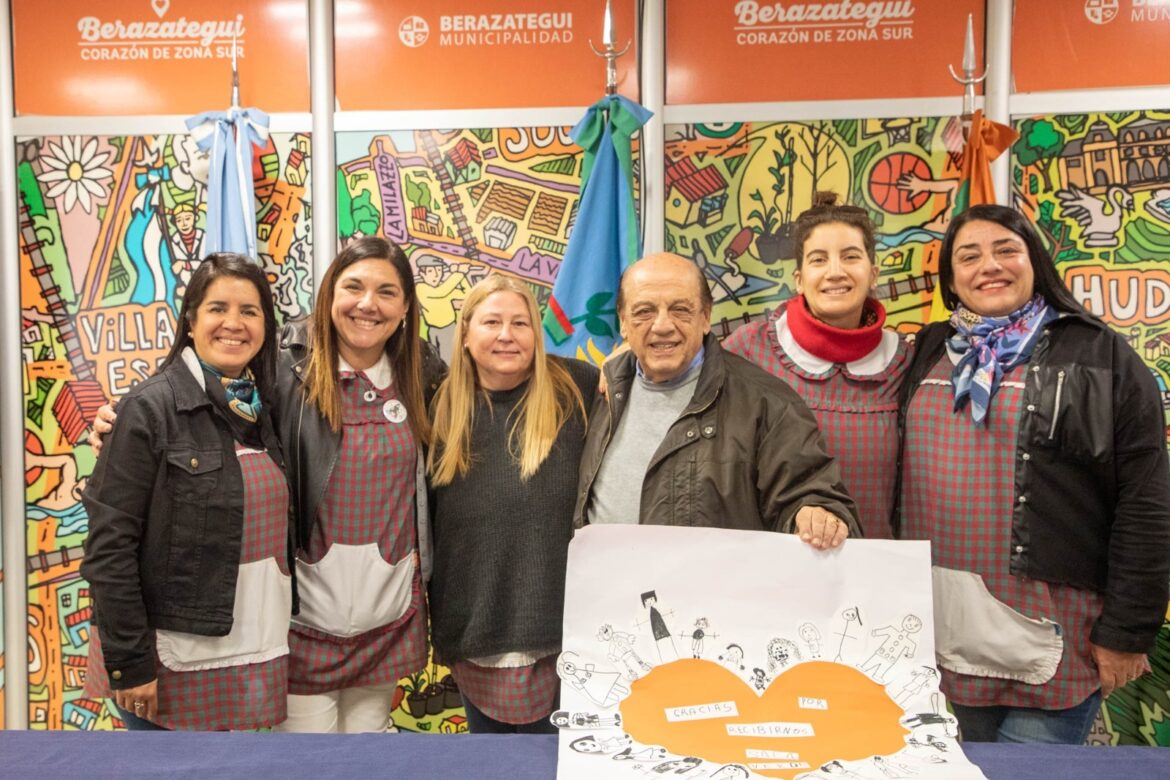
pixel 824 198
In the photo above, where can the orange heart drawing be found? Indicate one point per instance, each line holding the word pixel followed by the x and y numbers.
pixel 848 715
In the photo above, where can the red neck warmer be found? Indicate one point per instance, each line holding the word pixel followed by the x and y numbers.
pixel 837 345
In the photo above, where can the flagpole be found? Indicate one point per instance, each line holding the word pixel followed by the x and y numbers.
pixel 324 198
pixel 15 580
pixel 968 79
pixel 997 90
pixel 653 91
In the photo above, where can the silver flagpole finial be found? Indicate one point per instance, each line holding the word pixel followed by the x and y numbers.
pixel 609 51
pixel 968 79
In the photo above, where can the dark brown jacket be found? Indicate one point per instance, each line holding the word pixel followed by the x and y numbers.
pixel 745 453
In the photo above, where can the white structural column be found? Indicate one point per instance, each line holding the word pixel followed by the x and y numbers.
pixel 324 175
pixel 998 87
pixel 11 408
pixel 652 52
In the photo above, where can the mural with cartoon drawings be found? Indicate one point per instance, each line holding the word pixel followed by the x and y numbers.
pixel 733 191
pixel 1098 188
pixel 108 229
pixel 463 204
pixel 761 705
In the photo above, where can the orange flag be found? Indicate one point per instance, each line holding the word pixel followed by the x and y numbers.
pixel 986 141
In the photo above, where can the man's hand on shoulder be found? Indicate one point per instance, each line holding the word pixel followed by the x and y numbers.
pixel 102 425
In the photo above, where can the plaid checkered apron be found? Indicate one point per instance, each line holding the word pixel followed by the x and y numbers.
pixel 370 498
pixel 516 695
pixel 857 415
pixel 958 490
pixel 230 698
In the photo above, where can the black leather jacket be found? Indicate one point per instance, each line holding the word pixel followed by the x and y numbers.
pixel 312 447
pixel 1092 480
pixel 166 511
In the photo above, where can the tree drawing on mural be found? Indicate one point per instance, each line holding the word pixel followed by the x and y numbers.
pixel 1098 188
pixel 734 190
pixel 110 229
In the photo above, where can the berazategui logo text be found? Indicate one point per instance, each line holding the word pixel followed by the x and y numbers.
pixel 825 22
pixel 505 29
pixel 182 38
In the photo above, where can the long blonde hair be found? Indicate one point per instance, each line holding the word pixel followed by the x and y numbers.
pixel 546 406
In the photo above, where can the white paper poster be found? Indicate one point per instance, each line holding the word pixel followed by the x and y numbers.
pixel 709 653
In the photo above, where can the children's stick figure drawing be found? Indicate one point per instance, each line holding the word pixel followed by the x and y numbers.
pixel 603 688
pixel 891 768
pixel 849 615
pixel 698 635
pixel 621 650
pixel 781 654
pixel 563 719
pixel 644 754
pixel 732 658
pixel 896 646
pixel 812 638
pixel 662 638
pixel 679 766
pixel 917 682
pixel 595 744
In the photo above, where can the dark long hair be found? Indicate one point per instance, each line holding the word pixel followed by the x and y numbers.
pixel 1047 279
pixel 229 264
pixel 825 211
pixel 402 347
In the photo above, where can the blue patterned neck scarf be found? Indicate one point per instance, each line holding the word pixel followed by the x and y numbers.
pixel 240 393
pixel 983 348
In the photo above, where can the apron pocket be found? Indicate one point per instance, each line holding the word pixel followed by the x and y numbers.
pixel 259 625
pixel 352 590
pixel 977 634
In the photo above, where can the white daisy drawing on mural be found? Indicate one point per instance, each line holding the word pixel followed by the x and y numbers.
pixel 75 170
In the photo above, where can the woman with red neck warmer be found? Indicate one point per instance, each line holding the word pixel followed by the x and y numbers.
pixel 829 344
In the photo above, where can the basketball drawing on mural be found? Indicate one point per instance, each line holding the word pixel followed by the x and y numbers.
pixel 887 172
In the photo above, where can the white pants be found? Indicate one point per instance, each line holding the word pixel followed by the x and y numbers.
pixel 347 711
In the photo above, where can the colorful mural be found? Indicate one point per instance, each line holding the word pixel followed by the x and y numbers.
pixel 1098 188
pixel 110 228
pixel 463 203
pixel 734 189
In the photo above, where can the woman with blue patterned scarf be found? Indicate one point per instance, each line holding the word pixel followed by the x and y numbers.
pixel 1034 460
pixel 189 525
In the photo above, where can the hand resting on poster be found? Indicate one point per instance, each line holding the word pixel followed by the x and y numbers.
pixel 820 528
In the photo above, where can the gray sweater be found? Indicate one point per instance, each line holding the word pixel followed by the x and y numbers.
pixel 500 542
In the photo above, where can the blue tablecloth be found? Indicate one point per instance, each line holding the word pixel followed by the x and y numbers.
pixel 126 755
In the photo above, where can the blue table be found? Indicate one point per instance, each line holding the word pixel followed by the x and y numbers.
pixel 125 755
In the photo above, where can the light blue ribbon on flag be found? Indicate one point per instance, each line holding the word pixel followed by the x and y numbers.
pixel 581 318
pixel 228 138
